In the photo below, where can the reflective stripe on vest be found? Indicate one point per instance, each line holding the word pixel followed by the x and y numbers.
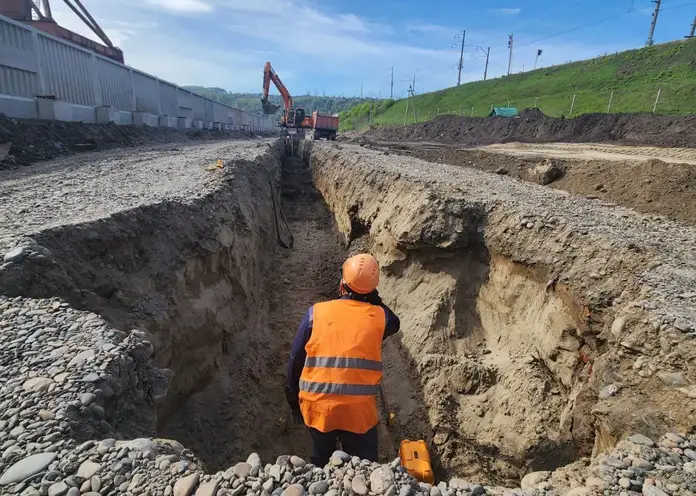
pixel 343 389
pixel 343 363
pixel 343 367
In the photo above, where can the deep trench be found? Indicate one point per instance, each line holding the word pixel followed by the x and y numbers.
pixel 460 375
pixel 437 398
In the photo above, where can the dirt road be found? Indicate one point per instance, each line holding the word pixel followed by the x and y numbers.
pixel 650 180
pixel 594 151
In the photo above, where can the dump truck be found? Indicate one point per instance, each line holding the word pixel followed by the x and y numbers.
pixel 325 126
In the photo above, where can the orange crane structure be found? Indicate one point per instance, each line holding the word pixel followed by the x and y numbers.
pixel 293 119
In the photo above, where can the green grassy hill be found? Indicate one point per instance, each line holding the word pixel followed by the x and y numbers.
pixel 634 76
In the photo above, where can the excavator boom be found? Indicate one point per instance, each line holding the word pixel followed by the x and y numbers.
pixel 270 75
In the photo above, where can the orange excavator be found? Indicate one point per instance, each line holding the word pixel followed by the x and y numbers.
pixel 292 117
pixel 295 119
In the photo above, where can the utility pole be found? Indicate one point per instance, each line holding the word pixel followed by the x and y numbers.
pixel 654 22
pixel 391 91
pixel 511 42
pixel 413 86
pixel 488 54
pixel 361 91
pixel 461 59
pixel 693 29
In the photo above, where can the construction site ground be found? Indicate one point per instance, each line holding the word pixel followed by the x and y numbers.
pixel 651 180
pixel 149 296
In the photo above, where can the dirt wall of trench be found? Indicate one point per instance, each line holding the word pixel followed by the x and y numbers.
pixel 188 272
pixel 505 359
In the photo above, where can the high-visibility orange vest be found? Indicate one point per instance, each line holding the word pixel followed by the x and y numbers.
pixel 343 368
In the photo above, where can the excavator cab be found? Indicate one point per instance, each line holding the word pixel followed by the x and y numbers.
pixel 294 117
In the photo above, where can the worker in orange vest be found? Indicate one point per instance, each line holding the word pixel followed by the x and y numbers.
pixel 336 365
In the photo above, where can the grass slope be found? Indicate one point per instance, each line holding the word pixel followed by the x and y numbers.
pixel 634 76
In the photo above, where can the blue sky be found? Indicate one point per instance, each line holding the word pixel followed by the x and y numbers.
pixel 337 46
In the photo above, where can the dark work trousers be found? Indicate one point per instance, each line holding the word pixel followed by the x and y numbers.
pixel 364 446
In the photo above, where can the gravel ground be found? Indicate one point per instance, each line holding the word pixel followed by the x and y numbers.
pixel 96 185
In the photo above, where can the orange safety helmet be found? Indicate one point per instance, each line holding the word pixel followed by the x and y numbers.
pixel 361 273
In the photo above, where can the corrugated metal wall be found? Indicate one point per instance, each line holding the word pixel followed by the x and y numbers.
pixel 18 62
pixel 115 83
pixel 30 58
pixel 198 104
pixel 208 110
pixel 68 72
pixel 168 97
pixel 146 93
pixel 220 113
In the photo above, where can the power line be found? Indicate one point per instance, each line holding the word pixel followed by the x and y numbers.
pixel 578 28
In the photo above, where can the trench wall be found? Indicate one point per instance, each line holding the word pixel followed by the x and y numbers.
pixel 188 272
pixel 504 319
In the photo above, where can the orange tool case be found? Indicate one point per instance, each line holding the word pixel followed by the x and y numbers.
pixel 416 460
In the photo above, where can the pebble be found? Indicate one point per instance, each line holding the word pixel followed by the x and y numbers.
pixel 242 470
pixel 381 479
pixel 319 487
pixel 26 468
pixel 14 255
pixel 297 462
pixel 618 326
pixel 608 391
pixel 359 485
pixel 274 472
pixel 342 455
pixel 294 490
pixel 477 489
pixel 186 485
pixel 208 488
pixel 405 491
pixel 641 439
pixel 88 469
pixel 58 489
pixel 653 491
pixel 675 379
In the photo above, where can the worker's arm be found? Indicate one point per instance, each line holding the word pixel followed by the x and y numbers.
pixel 393 324
pixel 297 360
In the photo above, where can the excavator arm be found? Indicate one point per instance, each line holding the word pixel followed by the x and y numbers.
pixel 270 75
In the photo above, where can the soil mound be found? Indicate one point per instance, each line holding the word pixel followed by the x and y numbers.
pixel 533 126
pixel 24 141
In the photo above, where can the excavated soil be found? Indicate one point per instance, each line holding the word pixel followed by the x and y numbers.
pixel 25 141
pixel 633 178
pixel 534 127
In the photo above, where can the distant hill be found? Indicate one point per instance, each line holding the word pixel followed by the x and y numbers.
pixel 251 102
pixel 630 80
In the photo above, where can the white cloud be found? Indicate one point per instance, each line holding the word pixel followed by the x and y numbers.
pixel 182 6
pixel 510 12
pixel 313 48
